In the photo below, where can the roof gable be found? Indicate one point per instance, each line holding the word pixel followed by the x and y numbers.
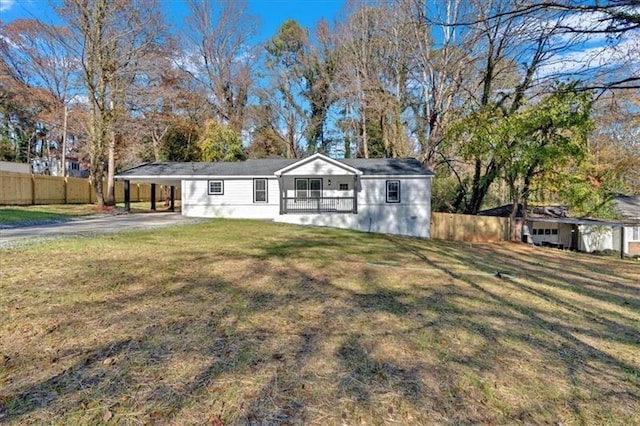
pixel 318 164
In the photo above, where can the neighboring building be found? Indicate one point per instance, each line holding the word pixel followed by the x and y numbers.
pixel 52 166
pixel 576 234
pixel 382 195
pixel 550 226
pixel 628 208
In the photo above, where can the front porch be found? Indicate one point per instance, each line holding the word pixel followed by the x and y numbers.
pixel 321 204
pixel 318 185
pixel 326 194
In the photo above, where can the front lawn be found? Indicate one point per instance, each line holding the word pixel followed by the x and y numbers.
pixel 10 215
pixel 253 322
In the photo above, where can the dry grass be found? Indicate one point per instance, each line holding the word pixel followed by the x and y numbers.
pixel 250 322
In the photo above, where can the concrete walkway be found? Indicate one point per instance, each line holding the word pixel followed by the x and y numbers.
pixel 90 226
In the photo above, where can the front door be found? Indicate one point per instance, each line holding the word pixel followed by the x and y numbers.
pixel 308 187
pixel 574 237
pixel 315 188
pixel 302 185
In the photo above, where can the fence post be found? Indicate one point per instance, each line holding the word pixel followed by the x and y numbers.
pixel 33 189
pixel 153 197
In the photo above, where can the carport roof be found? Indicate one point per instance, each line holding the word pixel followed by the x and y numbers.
pixel 267 167
pixel 571 221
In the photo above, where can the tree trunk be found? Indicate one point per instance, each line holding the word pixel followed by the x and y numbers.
pixel 513 224
pixel 481 185
pixel 365 142
pixel 96 181
pixel 111 189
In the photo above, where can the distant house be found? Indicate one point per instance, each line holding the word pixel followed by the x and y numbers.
pixel 382 195
pixel 628 208
pixel 550 226
pixel 53 166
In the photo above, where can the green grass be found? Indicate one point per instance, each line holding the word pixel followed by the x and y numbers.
pixel 255 322
pixel 16 214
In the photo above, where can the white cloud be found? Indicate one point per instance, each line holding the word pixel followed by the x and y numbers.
pixel 597 59
pixel 584 49
pixel 5 5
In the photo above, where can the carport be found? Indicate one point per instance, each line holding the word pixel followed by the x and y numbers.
pixel 131 176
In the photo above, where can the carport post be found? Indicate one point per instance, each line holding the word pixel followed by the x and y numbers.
pixel 622 242
pixel 153 196
pixel 127 196
pixel 172 201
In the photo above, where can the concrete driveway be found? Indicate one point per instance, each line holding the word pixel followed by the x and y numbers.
pixel 90 226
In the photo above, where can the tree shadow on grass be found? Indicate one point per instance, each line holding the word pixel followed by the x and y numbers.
pixel 367 375
pixel 578 357
pixel 257 322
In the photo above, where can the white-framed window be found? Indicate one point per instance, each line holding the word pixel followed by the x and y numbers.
pixel 393 191
pixel 344 187
pixel 636 233
pixel 260 191
pixel 216 187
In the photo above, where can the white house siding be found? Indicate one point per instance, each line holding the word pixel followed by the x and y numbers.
pixel 632 240
pixel 596 238
pixel 543 232
pixel 236 202
pixel 409 217
pixel 565 234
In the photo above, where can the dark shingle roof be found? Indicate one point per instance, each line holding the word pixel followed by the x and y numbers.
pixel 237 168
pixel 388 166
pixel 266 167
pixel 628 207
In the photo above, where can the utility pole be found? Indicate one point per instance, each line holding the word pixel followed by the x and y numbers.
pixel 64 143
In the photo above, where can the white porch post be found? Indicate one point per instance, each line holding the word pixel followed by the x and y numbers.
pixel 282 195
pixel 355 194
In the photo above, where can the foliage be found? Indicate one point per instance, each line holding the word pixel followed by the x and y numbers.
pixel 177 145
pixel 547 136
pixel 533 145
pixel 377 82
pixel 288 45
pixel 220 143
pixel 444 191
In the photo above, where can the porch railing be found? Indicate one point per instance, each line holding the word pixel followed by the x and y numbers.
pixel 318 205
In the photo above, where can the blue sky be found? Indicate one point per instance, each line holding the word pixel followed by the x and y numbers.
pixel 272 13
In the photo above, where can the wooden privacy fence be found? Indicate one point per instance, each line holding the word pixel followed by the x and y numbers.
pixel 24 189
pixel 463 227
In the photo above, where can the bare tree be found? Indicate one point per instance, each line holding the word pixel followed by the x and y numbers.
pixel 376 58
pixel 220 57
pixel 35 57
pixel 109 37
